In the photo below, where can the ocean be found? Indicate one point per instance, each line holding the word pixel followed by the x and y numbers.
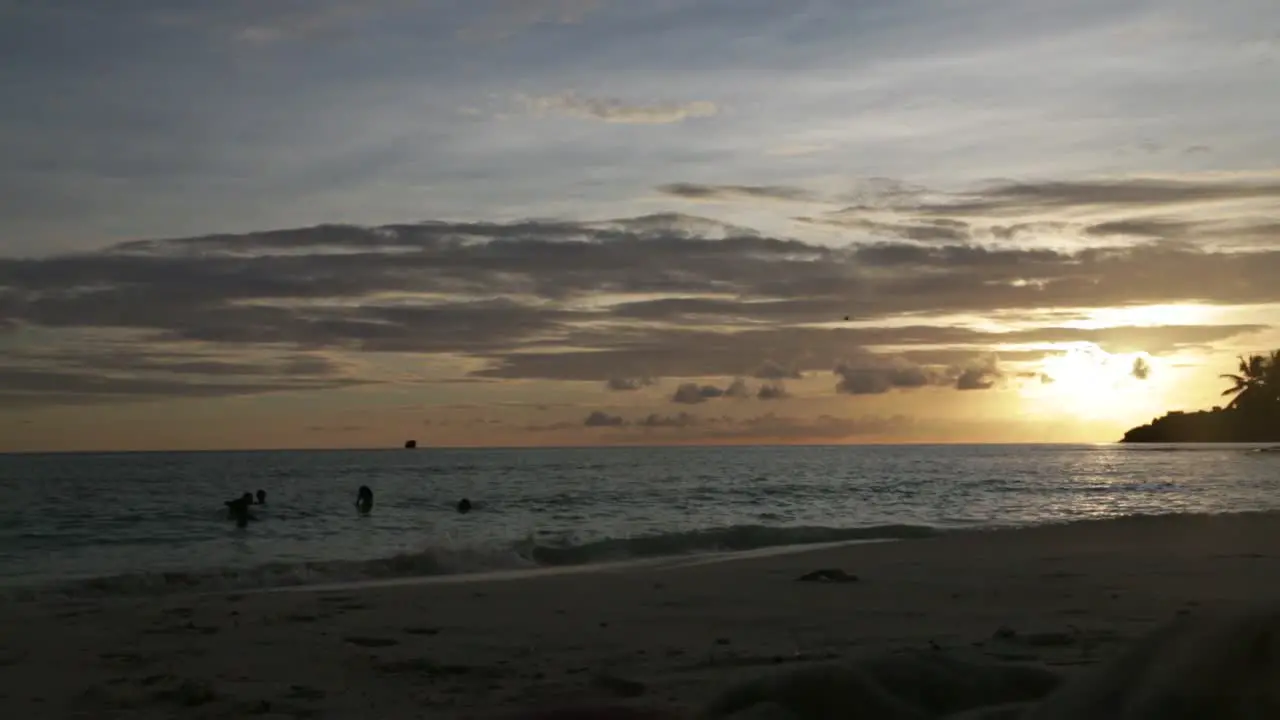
pixel 125 523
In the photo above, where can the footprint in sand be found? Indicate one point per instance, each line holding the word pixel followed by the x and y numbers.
pixel 619 686
pixel 188 693
pixel 371 642
pixel 71 614
pixel 828 575
pixel 304 692
pixel 13 658
pixel 126 658
pixel 433 669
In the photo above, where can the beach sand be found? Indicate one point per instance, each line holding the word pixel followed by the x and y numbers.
pixel 671 636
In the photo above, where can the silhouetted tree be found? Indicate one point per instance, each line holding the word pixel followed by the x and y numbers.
pixel 1273 376
pixel 1252 416
pixel 1256 382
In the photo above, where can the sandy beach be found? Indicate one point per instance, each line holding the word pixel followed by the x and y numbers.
pixel 670 636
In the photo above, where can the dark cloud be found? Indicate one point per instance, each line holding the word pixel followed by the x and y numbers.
pixel 1141 368
pixel 171 360
pixel 1027 229
pixel 724 302
pixel 1211 211
pixel 670 223
pixel 707 353
pixel 508 283
pixel 1149 227
pixel 737 390
pixel 26 387
pixel 1034 197
pixel 772 370
pixel 983 376
pixel 696 311
pixel 769 427
pixel 679 420
pixel 936 230
pixel 874 376
pixel 773 390
pixel 953 357
pixel 693 191
pixel 1246 233
pixel 762 428
pixel 120 373
pixel 561 426
pixel 693 393
pixel 599 418
pixel 879 193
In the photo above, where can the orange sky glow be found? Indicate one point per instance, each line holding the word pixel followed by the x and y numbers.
pixel 549 223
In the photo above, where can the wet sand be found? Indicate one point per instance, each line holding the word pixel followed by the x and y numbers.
pixel 667 636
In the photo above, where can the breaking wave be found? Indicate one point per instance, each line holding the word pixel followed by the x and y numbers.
pixel 524 555
pixel 728 539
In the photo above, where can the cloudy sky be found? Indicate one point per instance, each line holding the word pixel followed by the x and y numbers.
pixel 329 223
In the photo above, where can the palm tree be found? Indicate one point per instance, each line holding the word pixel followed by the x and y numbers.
pixel 1272 382
pixel 1256 381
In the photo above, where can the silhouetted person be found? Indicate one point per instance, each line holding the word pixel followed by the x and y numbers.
pixel 238 509
pixel 464 506
pixel 262 497
pixel 364 499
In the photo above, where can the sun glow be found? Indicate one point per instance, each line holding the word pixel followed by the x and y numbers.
pixel 1145 316
pixel 1087 382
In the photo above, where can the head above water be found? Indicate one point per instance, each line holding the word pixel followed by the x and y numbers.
pixel 364 499
pixel 464 506
pixel 262 497
pixel 238 509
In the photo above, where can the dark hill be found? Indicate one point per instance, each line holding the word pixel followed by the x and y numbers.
pixel 1252 417
pixel 1220 425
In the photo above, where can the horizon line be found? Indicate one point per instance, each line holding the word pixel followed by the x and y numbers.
pixel 482 448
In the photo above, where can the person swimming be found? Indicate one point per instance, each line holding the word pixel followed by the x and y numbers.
pixel 464 506
pixel 364 499
pixel 262 497
pixel 238 509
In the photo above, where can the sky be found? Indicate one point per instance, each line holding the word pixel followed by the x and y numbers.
pixel 332 223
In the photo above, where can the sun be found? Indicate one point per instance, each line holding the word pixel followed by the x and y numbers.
pixel 1087 382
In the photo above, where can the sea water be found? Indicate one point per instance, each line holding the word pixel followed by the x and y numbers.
pixel 94 524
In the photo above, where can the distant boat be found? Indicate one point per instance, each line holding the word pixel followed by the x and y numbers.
pixel 410 444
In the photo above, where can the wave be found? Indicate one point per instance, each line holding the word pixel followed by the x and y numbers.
pixel 528 554
pixel 735 538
